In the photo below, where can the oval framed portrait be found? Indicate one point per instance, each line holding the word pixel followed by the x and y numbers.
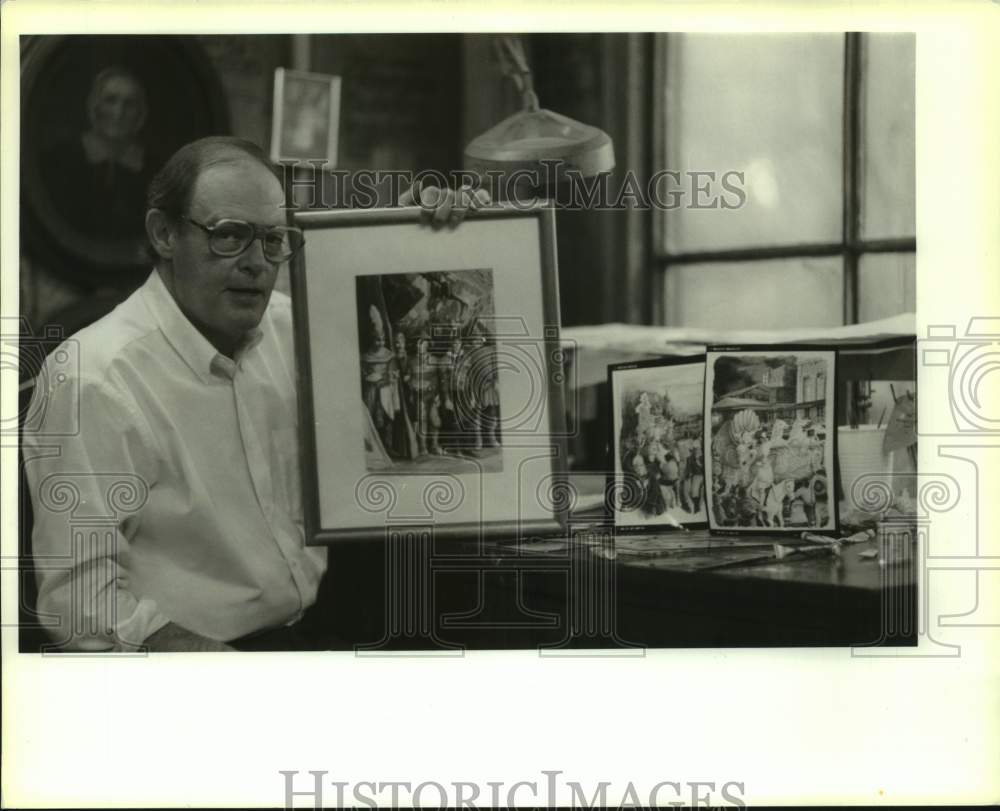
pixel 99 116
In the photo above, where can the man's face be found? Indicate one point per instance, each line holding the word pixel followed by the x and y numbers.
pixel 118 111
pixel 225 296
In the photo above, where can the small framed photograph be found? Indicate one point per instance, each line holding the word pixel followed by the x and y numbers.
pixel 657 423
pixel 305 123
pixel 430 374
pixel 770 438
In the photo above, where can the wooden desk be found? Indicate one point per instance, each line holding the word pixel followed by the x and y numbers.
pixel 580 593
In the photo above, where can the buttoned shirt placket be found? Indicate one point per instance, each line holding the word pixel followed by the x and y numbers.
pixel 248 406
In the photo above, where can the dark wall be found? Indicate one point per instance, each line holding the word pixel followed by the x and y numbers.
pixel 400 98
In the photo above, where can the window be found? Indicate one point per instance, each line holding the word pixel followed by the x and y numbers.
pixel 821 128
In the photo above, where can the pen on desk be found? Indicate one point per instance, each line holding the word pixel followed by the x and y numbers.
pixel 812 537
pixel 731 564
pixel 781 552
pixel 857 537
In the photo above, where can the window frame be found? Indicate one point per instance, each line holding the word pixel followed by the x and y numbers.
pixel 851 246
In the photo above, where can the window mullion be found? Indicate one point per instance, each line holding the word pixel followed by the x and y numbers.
pixel 851 174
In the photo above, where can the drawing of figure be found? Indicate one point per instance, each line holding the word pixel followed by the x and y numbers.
pixel 644 415
pixel 404 439
pixel 670 470
pixel 444 364
pixel 376 385
pixel 732 452
pixel 466 424
pixel 654 502
pixel 490 409
pixel 694 480
pixel 425 383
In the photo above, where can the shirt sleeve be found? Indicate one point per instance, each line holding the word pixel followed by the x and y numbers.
pixel 90 461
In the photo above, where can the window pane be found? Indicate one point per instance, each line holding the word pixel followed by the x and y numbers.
pixel 756 295
pixel 888 155
pixel 887 285
pixel 767 105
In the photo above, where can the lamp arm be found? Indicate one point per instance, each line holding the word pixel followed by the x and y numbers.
pixel 514 64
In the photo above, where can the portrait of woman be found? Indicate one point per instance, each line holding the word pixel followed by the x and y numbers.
pixel 104 169
pixel 99 116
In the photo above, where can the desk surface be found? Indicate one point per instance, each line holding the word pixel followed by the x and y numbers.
pixel 683 598
pixel 591 590
pixel 723 557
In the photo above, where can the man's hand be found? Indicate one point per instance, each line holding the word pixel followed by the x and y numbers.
pixel 172 637
pixel 440 206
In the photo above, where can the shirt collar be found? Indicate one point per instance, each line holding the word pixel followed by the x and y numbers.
pixel 196 350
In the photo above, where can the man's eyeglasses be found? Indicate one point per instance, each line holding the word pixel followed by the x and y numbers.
pixel 232 237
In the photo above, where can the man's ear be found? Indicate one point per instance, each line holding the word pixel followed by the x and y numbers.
pixel 160 231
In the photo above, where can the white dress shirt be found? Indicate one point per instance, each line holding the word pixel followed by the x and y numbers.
pixel 165 481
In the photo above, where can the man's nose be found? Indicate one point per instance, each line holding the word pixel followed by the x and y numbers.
pixel 252 260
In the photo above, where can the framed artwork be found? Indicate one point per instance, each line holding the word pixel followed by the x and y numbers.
pixel 770 438
pixel 306 119
pixel 430 374
pixel 656 440
pixel 99 116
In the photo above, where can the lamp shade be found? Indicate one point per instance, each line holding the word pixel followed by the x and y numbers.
pixel 528 137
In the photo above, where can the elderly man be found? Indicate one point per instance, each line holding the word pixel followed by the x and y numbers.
pixel 186 398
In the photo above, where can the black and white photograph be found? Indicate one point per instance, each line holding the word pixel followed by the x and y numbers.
pixel 446 358
pixel 419 329
pixel 657 441
pixel 429 371
pixel 770 433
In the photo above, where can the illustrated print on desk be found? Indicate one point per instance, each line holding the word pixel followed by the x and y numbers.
pixel 659 471
pixel 770 438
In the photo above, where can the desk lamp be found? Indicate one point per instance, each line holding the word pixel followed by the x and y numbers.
pixel 532 135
